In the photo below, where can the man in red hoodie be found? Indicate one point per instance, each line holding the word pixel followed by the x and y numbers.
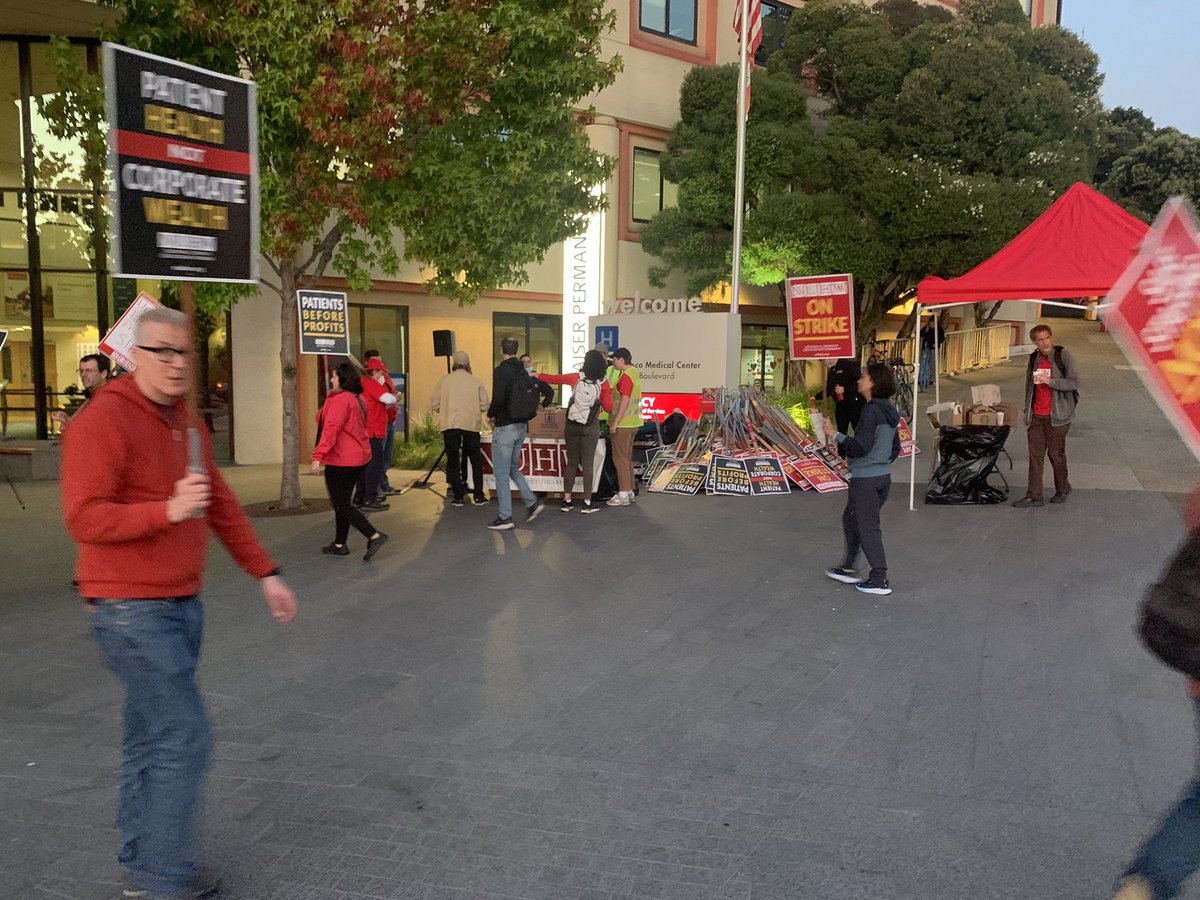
pixel 141 519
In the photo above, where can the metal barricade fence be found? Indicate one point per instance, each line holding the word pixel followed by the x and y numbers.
pixel 974 348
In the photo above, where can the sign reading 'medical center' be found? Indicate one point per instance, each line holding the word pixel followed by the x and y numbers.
pixel 183 152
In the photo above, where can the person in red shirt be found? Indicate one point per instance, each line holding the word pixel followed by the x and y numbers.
pixel 389 441
pixel 140 514
pixel 345 449
pixel 1051 393
pixel 378 399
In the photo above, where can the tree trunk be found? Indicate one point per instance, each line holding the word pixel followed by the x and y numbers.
pixel 289 482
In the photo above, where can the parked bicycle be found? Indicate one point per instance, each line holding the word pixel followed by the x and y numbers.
pixel 903 398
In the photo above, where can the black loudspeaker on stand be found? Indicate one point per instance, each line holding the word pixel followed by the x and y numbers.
pixel 443 343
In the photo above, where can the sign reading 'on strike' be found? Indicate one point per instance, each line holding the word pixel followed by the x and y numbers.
pixel 1154 312
pixel 820 311
pixel 183 152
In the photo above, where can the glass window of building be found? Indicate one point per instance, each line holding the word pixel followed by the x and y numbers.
pixel 675 19
pixel 775 16
pixel 651 192
pixel 764 357
pixel 539 336
pixel 73 302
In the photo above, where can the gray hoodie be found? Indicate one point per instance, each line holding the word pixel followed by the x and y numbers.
pixel 1063 386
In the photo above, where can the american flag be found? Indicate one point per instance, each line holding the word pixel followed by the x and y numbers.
pixel 754 31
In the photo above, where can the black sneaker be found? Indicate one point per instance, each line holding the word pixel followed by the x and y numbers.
pixel 535 510
pixel 457 502
pixel 1061 497
pixel 843 574
pixel 587 508
pixel 499 524
pixel 376 506
pixel 479 499
pixel 373 545
pixel 568 506
pixel 336 550
pixel 1028 503
pixel 871 586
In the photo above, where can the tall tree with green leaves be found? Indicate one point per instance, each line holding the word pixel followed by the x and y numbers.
pixel 934 143
pixel 457 122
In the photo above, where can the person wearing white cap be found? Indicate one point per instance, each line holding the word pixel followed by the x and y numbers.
pixel 460 400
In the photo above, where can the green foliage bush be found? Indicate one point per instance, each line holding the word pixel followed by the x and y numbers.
pixel 422 448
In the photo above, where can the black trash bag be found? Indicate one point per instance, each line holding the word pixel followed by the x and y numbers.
pixel 968 457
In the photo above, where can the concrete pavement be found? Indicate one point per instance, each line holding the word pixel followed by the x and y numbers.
pixel 664 701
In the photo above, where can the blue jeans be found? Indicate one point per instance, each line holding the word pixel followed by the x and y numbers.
pixel 153 646
pixel 506 457
pixel 1172 854
pixel 389 444
pixel 927 362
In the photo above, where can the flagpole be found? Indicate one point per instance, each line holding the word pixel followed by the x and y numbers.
pixel 739 191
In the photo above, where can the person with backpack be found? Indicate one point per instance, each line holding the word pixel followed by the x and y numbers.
pixel 590 393
pixel 344 448
pixel 515 400
pixel 1051 395
pixel 1169 627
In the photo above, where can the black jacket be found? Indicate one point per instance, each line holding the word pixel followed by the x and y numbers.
pixel 845 372
pixel 503 379
pixel 927 336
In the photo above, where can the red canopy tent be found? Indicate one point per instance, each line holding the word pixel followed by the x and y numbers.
pixel 1076 248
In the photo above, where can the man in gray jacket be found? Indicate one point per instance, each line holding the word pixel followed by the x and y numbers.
pixel 1051 393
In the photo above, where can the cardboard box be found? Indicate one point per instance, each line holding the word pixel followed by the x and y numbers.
pixel 548 423
pixel 1009 412
pixel 985 395
pixel 948 413
pixel 984 415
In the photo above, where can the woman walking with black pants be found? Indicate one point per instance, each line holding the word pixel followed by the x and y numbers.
pixel 343 446
pixel 870 454
pixel 581 433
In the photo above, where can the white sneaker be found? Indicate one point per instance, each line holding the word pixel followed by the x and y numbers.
pixel 618 500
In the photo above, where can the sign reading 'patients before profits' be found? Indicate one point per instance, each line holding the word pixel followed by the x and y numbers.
pixel 183 156
pixel 820 314
pixel 324 322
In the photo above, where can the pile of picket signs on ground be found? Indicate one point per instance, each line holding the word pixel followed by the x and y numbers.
pixel 746 447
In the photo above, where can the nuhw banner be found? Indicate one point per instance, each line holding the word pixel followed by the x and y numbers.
pixel 820 311
pixel 1154 312
pixel 183 156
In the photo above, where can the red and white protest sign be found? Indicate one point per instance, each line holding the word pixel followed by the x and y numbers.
pixel 542 463
pixel 1154 312
pixel 907 445
pixel 820 311
pixel 118 343
pixel 819 475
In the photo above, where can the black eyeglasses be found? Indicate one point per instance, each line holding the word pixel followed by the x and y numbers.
pixel 165 354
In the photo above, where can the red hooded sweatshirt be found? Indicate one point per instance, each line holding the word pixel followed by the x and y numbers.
pixel 121 459
pixel 343 432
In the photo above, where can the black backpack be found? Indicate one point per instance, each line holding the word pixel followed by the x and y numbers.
pixel 1170 615
pixel 525 397
pixel 1058 362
